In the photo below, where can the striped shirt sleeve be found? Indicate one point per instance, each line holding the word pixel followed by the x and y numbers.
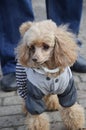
pixel 21 79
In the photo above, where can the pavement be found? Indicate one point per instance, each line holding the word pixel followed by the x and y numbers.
pixel 11 116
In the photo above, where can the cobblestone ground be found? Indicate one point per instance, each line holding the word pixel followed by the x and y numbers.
pixel 11 116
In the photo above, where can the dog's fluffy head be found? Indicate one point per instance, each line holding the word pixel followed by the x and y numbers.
pixel 44 43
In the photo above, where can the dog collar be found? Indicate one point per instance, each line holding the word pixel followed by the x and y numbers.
pixel 51 70
pixel 44 70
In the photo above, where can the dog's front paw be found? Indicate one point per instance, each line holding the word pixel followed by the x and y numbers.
pixel 73 117
pixel 51 102
pixel 37 122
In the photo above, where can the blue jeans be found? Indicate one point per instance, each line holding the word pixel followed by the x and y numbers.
pixel 14 12
pixel 65 12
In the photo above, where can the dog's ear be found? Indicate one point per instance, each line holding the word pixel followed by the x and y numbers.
pixel 22 54
pixel 24 27
pixel 65 49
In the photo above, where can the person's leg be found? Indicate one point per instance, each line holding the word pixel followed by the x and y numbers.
pixel 12 15
pixel 68 12
pixel 65 12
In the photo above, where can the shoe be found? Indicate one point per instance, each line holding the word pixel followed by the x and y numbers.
pixel 79 65
pixel 8 82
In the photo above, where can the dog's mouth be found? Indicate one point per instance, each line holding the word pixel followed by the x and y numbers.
pixel 40 62
pixel 36 64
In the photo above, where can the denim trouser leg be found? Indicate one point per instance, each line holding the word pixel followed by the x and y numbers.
pixel 65 11
pixel 12 14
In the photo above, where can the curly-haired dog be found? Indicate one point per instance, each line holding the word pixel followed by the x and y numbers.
pixel 43 75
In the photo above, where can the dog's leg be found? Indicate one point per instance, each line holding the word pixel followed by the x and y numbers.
pixel 51 102
pixel 37 122
pixel 73 117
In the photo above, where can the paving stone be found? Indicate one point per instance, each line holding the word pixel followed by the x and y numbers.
pixel 81 94
pixel 14 100
pixel 83 77
pixel 54 116
pixel 57 126
pixel 22 128
pixel 81 86
pixel 0 101
pixel 76 79
pixel 11 121
pixel 39 10
pixel 10 110
pixel 8 94
pixel 7 129
pixel 83 102
pixel 85 114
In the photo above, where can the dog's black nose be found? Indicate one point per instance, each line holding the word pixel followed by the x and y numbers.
pixel 35 60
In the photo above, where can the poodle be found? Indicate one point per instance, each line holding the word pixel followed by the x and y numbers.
pixel 44 79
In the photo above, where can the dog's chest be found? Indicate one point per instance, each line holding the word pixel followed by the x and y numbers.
pixel 49 85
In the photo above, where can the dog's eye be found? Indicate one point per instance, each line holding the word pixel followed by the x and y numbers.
pixel 32 48
pixel 45 46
